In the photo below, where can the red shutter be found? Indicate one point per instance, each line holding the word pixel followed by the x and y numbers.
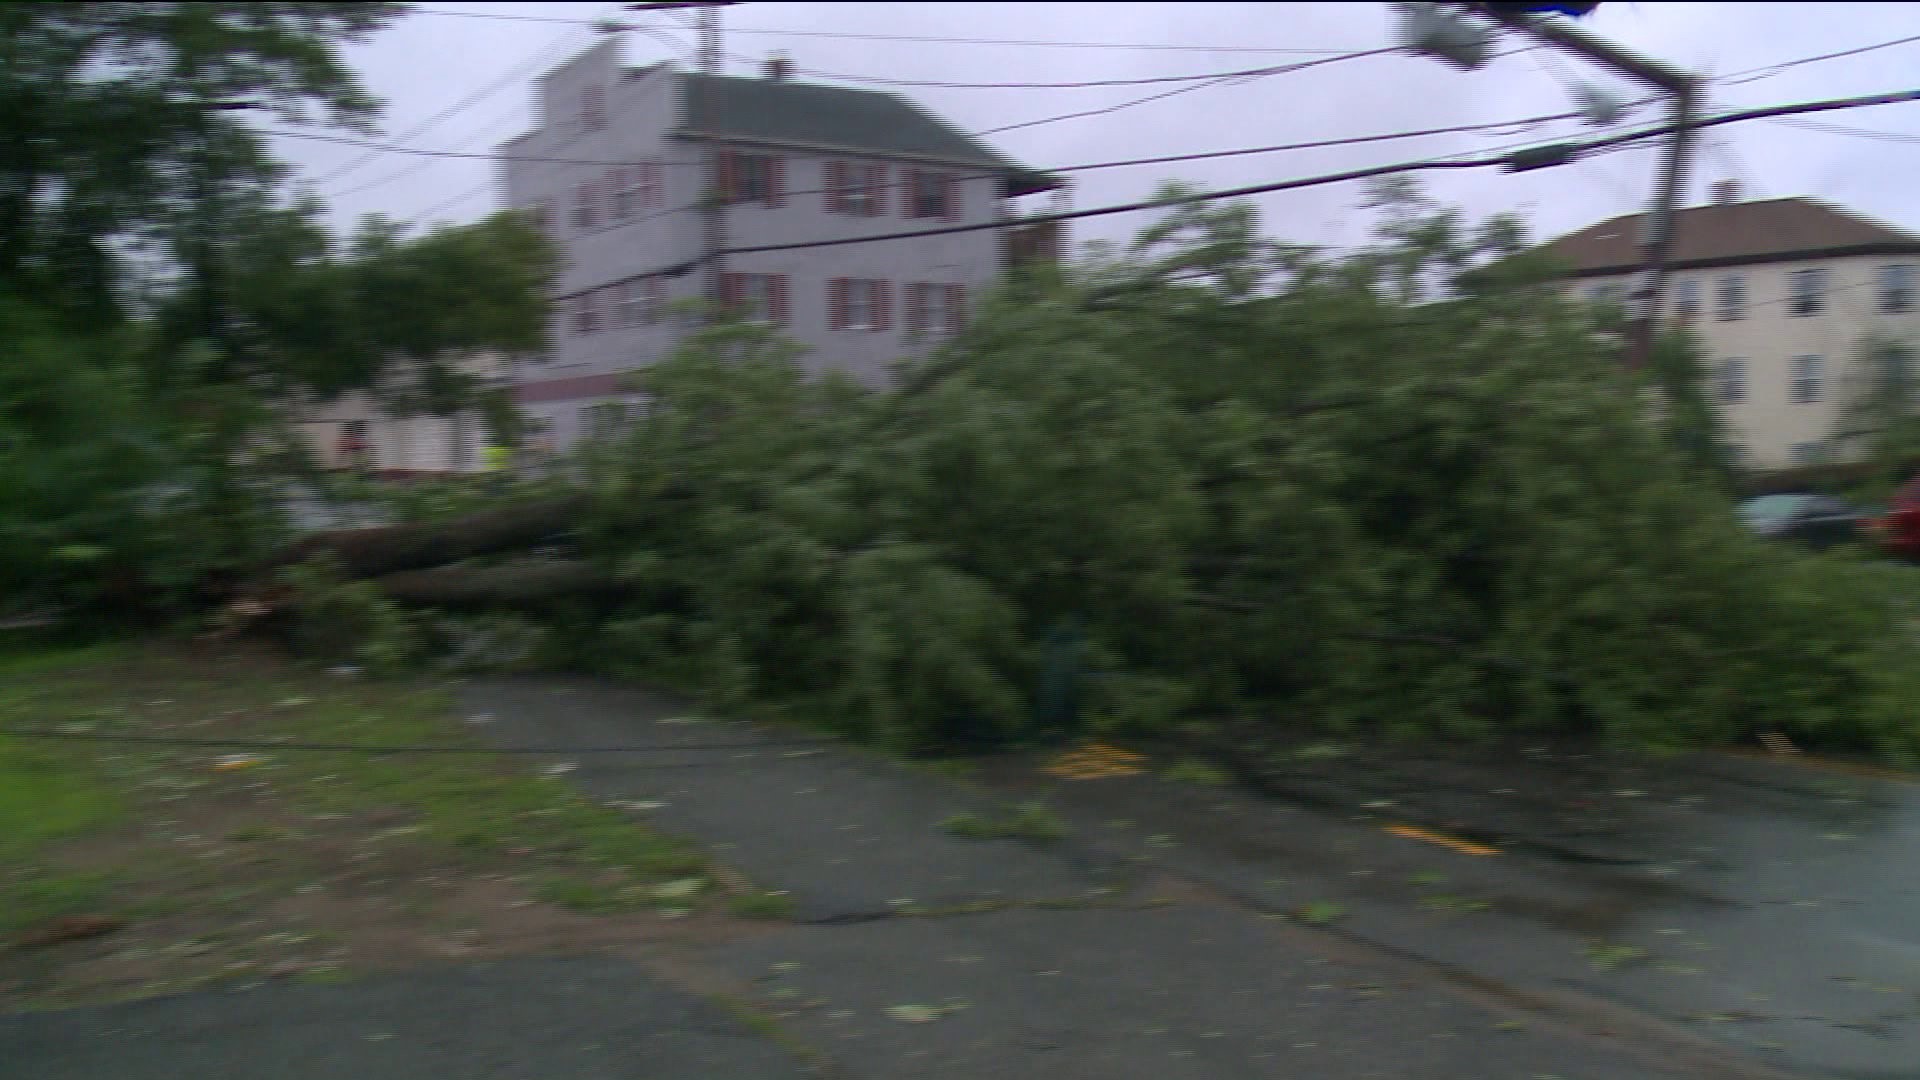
pixel 882 305
pixel 723 170
pixel 956 307
pixel 916 306
pixel 877 183
pixel 776 181
pixel 836 184
pixel 729 290
pixel 836 303
pixel 777 300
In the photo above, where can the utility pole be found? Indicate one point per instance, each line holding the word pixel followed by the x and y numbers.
pixel 712 201
pixel 1683 90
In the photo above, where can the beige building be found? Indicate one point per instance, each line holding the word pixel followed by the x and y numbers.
pixel 400 445
pixel 1784 294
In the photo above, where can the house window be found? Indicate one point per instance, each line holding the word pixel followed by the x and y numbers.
pixel 1803 386
pixel 585 213
pixel 1730 300
pixel 1897 366
pixel 1807 453
pixel 630 303
pixel 1807 292
pixel 857 188
pixel 1686 300
pixel 540 216
pixel 652 192
pixel 624 182
pixel 603 419
pixel 656 299
pixel 593 108
pixel 858 304
pixel 751 178
pixel 932 195
pixel 1607 293
pixel 1732 381
pixel 934 307
pixel 762 296
pixel 1896 287
pixel 586 312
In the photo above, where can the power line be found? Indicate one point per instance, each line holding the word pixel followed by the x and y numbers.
pixel 1904 138
pixel 552 50
pixel 1755 74
pixel 1561 153
pixel 1217 80
pixel 1351 140
pixel 924 38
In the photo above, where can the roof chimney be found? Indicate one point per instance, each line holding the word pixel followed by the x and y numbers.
pixel 779 67
pixel 1726 192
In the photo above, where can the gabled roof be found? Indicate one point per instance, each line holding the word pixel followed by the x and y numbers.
pixel 1734 234
pixel 837 119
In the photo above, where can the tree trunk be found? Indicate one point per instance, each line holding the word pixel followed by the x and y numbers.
pixel 524 584
pixel 390 549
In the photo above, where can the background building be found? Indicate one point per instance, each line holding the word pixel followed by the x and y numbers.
pixel 616 171
pixel 401 444
pixel 1784 294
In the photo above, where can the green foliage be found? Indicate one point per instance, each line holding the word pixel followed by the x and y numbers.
pixel 1407 492
pixel 341 620
pixel 97 506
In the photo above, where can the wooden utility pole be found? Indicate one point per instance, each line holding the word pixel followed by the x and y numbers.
pixel 713 199
pixel 1683 90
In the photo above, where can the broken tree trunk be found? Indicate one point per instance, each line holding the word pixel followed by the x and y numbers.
pixel 390 549
pixel 526 583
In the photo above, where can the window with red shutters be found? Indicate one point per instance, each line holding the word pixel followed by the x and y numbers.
pixel 593 108
pixel 956 307
pixel 645 179
pixel 836 187
pixel 930 195
pixel 779 305
pixel 656 299
pixel 916 307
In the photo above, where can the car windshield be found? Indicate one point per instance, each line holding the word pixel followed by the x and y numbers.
pixel 1772 509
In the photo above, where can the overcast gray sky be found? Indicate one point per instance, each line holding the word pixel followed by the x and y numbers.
pixel 431 60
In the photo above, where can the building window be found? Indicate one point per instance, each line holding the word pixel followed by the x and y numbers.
pixel 1804 380
pixel 1686 300
pixel 856 187
pixel 1732 381
pixel 656 303
pixel 604 419
pixel 762 296
pixel 932 195
pixel 751 178
pixel 1896 287
pixel 585 212
pixel 858 304
pixel 1730 299
pixel 1807 292
pixel 934 307
pixel 624 182
pixel 1807 453
pixel 593 108
pixel 630 303
pixel 1607 294
pixel 652 191
pixel 586 312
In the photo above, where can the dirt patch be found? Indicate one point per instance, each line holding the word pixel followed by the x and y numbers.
pixel 314 866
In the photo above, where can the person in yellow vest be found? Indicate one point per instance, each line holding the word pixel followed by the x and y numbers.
pixel 495 458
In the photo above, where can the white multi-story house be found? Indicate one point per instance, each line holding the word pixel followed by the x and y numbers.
pixel 1784 295
pixel 624 168
pixel 366 430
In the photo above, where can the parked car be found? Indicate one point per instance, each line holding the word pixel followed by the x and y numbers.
pixel 1818 521
pixel 1898 530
